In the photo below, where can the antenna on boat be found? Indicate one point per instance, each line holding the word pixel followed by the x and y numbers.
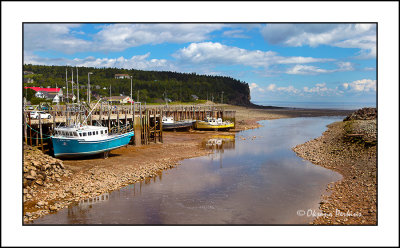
pixel 91 110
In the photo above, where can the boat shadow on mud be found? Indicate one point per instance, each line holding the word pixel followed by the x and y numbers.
pixel 90 157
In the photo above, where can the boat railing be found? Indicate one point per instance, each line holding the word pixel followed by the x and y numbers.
pixel 121 129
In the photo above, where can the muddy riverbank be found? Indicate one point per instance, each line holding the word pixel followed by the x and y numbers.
pixel 94 176
pixel 348 147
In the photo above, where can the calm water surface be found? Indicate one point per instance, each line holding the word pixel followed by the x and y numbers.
pixel 253 178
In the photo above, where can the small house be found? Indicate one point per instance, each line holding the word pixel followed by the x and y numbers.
pixel 118 99
pixel 122 76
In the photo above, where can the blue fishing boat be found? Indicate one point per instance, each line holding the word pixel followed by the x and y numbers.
pixel 82 140
pixel 77 140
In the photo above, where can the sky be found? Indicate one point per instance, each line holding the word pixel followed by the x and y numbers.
pixel 326 62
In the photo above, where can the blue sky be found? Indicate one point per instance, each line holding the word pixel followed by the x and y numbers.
pixel 280 62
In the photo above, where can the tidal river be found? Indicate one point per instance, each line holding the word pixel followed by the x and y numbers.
pixel 251 178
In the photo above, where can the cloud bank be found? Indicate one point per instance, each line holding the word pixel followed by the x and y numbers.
pixel 361 36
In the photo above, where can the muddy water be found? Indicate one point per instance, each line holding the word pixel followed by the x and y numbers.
pixel 253 178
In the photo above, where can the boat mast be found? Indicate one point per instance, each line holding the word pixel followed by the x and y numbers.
pixel 72 84
pixel 66 81
pixel 77 81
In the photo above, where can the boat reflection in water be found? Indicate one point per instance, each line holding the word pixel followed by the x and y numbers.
pixel 81 209
pixel 218 144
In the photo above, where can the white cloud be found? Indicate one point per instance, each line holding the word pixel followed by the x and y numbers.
pixel 57 37
pixel 235 33
pixel 306 70
pixel 362 36
pixel 217 53
pixel 288 89
pixel 322 89
pixel 271 87
pixel 345 66
pixel 363 85
pixel 140 62
pixel 113 37
pixel 313 70
pixel 117 37
pixel 254 87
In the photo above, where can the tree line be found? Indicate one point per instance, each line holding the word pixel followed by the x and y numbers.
pixel 148 86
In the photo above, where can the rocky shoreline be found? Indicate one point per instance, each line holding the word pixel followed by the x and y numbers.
pixel 347 147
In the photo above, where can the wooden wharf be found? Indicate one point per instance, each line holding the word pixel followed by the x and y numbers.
pixel 146 121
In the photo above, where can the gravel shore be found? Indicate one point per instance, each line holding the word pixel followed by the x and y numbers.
pixel 348 147
pixel 73 180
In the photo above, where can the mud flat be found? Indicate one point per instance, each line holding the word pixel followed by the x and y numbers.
pixel 93 176
pixel 247 117
pixel 348 147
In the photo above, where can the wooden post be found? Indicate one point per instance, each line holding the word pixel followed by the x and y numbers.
pixel 126 117
pixel 155 126
pixel 30 128
pixel 140 111
pixel 133 116
pixel 161 129
pixel 147 125
pixel 25 131
pixel 109 118
pixel 41 134
pixel 54 120
pixel 137 130
pixel 118 120
pixel 101 112
pixel 66 115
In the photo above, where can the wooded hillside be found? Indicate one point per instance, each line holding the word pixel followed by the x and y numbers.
pixel 153 86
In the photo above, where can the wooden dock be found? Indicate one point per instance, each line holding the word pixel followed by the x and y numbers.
pixel 146 121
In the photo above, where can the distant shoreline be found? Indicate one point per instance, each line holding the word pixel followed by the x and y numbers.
pixel 312 105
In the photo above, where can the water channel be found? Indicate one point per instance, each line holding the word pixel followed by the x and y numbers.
pixel 252 177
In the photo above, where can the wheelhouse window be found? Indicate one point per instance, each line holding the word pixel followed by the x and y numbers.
pixel 101 131
pixel 84 134
pixel 105 131
pixel 75 134
pixel 80 134
pixel 97 132
pixel 90 133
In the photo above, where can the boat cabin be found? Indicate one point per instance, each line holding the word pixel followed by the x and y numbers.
pixel 214 121
pixel 169 119
pixel 80 132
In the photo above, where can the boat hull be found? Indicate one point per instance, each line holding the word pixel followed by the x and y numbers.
pixel 64 147
pixel 207 126
pixel 177 125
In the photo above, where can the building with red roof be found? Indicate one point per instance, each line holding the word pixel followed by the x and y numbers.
pixel 48 93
